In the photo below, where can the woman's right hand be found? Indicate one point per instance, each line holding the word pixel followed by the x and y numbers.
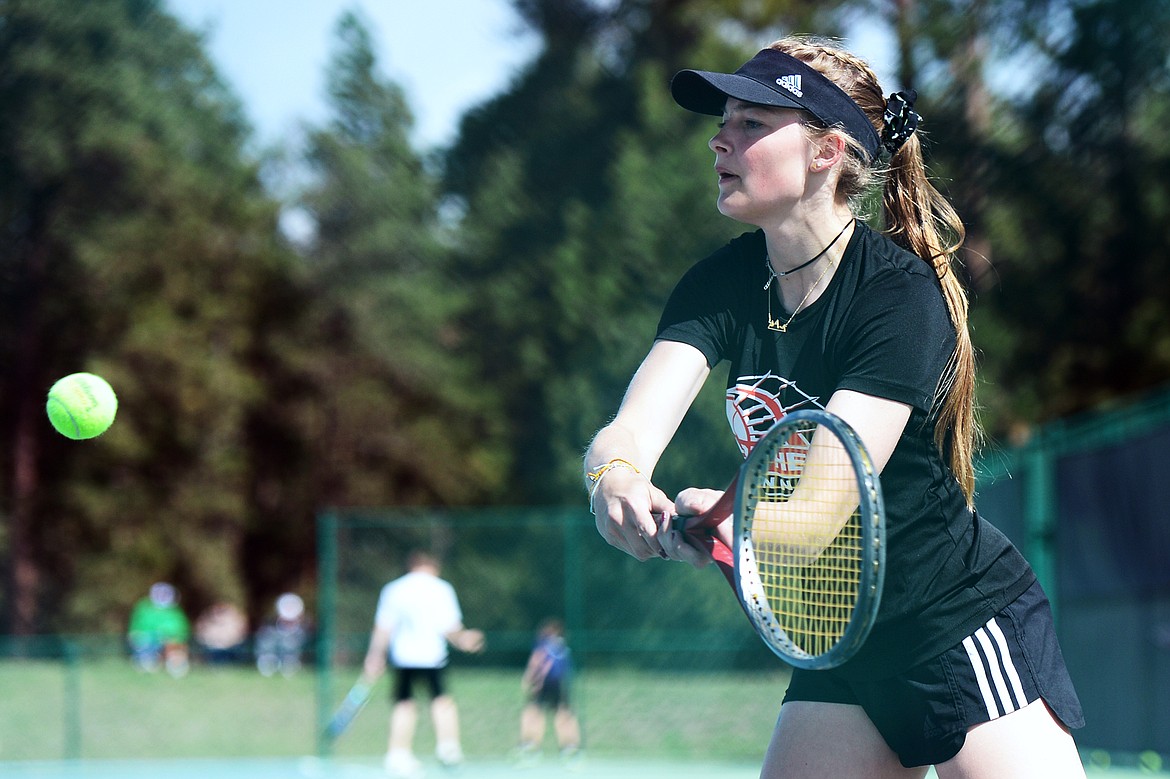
pixel 628 510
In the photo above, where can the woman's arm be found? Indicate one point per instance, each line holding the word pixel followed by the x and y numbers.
pixel 878 421
pixel 790 524
pixel 619 464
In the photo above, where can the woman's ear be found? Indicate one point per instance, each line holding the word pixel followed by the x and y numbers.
pixel 830 151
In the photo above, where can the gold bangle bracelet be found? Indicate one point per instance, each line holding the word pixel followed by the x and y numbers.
pixel 595 476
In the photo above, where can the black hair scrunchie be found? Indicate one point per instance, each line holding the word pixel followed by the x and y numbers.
pixel 900 119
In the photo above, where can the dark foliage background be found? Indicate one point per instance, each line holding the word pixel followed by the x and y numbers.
pixel 459 323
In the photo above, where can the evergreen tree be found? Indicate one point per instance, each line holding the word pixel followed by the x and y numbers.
pixel 405 421
pixel 139 245
pixel 1077 313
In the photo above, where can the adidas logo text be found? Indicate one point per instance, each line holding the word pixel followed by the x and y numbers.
pixel 791 83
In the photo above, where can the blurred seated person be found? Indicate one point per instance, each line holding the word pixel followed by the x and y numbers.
pixel 222 633
pixel 159 631
pixel 280 642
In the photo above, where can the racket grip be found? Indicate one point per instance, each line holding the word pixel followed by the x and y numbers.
pixel 719 553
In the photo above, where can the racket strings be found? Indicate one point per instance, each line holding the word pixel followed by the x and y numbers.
pixel 813 604
pixel 807 536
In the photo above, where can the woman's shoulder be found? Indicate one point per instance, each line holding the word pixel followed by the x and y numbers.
pixel 740 257
pixel 742 249
pixel 883 255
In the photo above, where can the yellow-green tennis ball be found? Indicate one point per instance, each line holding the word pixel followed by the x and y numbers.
pixel 1099 758
pixel 81 405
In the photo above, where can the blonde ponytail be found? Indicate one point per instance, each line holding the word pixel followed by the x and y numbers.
pixel 920 219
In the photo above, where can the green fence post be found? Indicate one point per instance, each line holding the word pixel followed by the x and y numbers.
pixel 326 625
pixel 574 604
pixel 1040 515
pixel 70 654
pixel 574 574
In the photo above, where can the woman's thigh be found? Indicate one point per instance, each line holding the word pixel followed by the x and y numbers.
pixel 815 740
pixel 1030 743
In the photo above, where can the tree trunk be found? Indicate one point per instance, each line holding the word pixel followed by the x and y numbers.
pixel 23 575
pixel 968 70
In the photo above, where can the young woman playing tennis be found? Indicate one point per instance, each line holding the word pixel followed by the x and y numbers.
pixel 816 309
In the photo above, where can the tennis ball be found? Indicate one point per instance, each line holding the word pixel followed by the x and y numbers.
pixel 81 405
pixel 1150 762
pixel 1099 758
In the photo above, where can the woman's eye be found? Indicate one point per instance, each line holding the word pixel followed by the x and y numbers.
pixel 743 124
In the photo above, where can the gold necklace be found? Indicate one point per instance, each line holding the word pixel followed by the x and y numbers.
pixel 774 324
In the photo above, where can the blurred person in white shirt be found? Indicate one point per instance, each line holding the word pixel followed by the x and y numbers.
pixel 417 618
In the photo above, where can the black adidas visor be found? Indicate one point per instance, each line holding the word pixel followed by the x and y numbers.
pixel 774 78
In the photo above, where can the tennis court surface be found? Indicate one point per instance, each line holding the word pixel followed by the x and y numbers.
pixel 351 768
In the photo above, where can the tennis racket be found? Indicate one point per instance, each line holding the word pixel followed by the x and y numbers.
pixel 808 524
pixel 355 700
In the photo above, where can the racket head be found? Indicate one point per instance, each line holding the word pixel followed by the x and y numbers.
pixel 810 544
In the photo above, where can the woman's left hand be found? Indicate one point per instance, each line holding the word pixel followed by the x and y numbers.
pixel 692 503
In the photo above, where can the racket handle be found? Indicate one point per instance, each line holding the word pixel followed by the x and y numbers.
pixel 700 531
pixel 716 548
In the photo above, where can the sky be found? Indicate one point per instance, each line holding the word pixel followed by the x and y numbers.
pixel 448 55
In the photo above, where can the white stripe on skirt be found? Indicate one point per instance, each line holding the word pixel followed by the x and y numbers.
pixel 994 670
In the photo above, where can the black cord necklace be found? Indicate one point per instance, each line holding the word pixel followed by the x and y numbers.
pixel 776 324
pixel 775 274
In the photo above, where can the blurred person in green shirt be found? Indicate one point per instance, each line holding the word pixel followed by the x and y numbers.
pixel 159 632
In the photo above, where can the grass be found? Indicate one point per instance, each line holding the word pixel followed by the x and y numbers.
pixel 120 712
pixel 115 711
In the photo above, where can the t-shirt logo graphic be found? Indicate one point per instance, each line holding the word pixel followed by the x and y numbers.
pixel 791 83
pixel 755 403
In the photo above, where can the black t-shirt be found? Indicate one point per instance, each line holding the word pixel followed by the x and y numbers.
pixel 880 328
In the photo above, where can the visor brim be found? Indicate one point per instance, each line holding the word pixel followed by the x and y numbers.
pixel 705 92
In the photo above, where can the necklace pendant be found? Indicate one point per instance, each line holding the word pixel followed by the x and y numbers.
pixel 776 325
